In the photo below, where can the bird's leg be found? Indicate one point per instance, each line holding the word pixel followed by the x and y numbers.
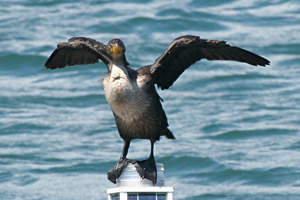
pixel 116 171
pixel 147 168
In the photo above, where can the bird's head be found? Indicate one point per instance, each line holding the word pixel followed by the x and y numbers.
pixel 117 50
pixel 116 47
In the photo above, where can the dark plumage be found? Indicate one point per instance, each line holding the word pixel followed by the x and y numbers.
pixel 131 93
pixel 186 50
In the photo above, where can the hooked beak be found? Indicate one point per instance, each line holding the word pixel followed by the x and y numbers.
pixel 115 49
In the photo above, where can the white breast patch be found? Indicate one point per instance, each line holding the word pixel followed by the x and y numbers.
pixel 123 95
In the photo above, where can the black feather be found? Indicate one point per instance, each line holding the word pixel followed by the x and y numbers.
pixel 186 50
pixel 78 51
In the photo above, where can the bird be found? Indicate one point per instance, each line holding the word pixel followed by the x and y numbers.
pixel 132 93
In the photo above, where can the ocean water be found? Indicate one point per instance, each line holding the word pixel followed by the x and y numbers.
pixel 237 126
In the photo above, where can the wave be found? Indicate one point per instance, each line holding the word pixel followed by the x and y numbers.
pixel 246 134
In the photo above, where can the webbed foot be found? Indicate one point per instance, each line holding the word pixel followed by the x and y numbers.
pixel 116 171
pixel 147 169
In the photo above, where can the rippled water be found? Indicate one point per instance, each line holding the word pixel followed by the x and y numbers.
pixel 237 126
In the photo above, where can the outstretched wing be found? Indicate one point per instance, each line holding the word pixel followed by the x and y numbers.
pixel 78 51
pixel 186 50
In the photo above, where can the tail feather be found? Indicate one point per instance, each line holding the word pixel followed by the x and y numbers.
pixel 167 133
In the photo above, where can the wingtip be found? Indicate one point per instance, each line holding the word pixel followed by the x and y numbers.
pixel 265 63
pixel 51 68
pixel 262 65
pixel 47 65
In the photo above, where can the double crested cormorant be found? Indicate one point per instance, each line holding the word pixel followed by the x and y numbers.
pixel 131 93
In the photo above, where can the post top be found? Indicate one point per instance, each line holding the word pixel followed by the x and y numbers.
pixel 131 178
pixel 140 190
pixel 131 186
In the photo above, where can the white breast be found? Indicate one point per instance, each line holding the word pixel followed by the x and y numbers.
pixel 124 96
pixel 118 84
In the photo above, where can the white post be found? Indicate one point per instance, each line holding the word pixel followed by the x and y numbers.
pixel 130 182
pixel 169 196
pixel 123 196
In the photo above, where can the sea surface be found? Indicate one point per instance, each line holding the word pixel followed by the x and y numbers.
pixel 237 126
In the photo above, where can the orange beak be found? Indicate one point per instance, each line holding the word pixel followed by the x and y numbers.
pixel 115 49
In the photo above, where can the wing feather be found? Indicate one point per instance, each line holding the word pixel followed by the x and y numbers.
pixel 78 51
pixel 186 50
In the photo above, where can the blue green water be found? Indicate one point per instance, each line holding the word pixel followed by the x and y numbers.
pixel 237 126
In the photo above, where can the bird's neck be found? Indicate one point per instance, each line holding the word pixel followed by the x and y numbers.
pixel 119 61
pixel 119 70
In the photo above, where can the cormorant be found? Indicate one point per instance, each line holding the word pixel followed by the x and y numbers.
pixel 131 93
